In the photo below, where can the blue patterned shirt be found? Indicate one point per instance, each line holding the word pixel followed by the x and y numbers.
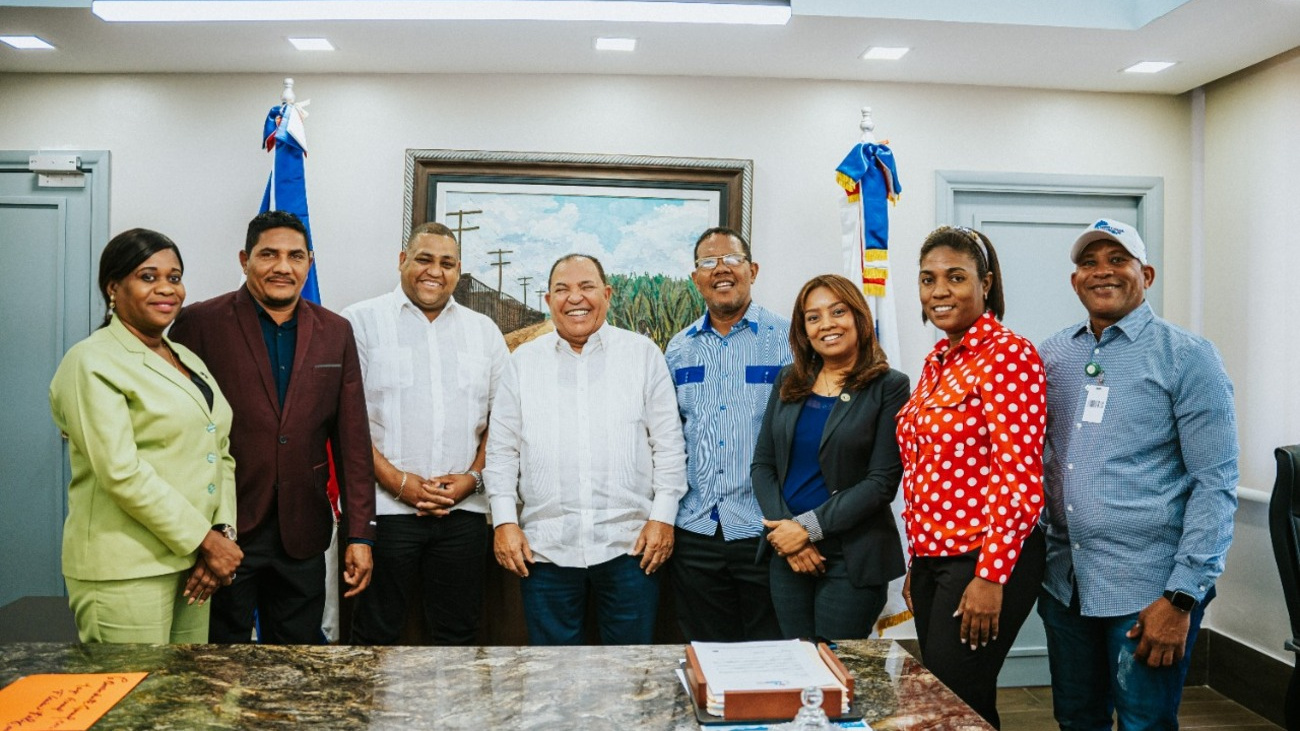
pixel 1143 501
pixel 723 383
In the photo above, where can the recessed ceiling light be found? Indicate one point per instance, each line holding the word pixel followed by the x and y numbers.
pixel 1149 67
pixel 752 12
pixel 883 53
pixel 615 44
pixel 312 44
pixel 27 43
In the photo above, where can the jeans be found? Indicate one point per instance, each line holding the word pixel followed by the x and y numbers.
pixel 1095 674
pixel 827 606
pixel 446 558
pixel 555 601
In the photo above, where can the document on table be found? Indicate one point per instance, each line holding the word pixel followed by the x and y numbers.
pixel 67 702
pixel 772 665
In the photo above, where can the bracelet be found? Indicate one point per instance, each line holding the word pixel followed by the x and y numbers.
pixel 401 488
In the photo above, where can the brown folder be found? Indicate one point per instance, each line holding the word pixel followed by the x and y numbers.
pixel 766 705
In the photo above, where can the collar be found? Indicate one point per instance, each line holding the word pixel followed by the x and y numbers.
pixel 982 328
pixel 1131 325
pixel 263 315
pixel 401 302
pixel 594 342
pixel 705 323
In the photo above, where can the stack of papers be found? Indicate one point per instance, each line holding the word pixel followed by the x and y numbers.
pixel 759 666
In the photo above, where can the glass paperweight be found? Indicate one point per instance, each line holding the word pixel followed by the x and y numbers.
pixel 811 717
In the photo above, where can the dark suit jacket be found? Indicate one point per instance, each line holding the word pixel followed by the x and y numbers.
pixel 280 460
pixel 859 459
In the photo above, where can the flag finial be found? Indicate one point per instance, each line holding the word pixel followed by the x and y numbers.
pixel 867 125
pixel 287 96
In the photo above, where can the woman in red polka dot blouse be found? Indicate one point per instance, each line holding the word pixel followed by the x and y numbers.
pixel 971 440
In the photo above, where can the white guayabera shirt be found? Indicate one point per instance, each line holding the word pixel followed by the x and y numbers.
pixel 589 443
pixel 429 387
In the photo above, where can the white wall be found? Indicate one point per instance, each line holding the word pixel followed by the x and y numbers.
pixel 1252 219
pixel 186 159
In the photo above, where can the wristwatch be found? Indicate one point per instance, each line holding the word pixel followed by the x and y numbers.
pixel 227 530
pixel 1181 600
pixel 478 481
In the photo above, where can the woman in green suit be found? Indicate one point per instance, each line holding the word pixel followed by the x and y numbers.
pixel 152 497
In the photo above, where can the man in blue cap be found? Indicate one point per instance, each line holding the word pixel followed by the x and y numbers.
pixel 1140 477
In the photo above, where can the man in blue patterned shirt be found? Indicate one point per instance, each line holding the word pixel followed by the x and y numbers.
pixel 723 367
pixel 1140 476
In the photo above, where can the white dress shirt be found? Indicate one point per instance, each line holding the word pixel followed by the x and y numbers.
pixel 590 443
pixel 429 387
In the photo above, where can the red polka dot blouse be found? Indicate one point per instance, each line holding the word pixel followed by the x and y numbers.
pixel 971 439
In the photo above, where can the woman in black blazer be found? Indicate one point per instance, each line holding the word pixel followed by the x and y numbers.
pixel 826 468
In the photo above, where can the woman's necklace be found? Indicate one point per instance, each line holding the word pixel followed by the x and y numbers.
pixel 826 385
pixel 171 358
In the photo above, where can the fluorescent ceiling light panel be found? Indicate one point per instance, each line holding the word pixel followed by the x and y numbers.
pixel 1149 67
pixel 615 44
pixel 312 44
pixel 27 43
pixel 882 53
pixel 752 12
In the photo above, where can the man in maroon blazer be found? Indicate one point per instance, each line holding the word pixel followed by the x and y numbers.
pixel 290 371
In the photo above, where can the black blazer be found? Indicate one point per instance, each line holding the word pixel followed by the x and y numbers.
pixel 859 459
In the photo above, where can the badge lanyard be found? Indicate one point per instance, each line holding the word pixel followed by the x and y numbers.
pixel 1094 405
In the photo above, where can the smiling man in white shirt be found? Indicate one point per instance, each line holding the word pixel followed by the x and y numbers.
pixel 430 368
pixel 585 437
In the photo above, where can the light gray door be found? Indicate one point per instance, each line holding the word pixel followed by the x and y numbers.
pixel 1032 221
pixel 50 239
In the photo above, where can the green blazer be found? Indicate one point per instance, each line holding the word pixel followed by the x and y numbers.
pixel 151 465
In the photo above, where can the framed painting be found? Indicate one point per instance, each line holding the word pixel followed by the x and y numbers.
pixel 516 213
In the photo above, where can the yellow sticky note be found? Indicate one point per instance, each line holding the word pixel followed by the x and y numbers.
pixel 65 702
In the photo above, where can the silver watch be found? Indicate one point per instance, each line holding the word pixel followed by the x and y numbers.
pixel 478 481
pixel 227 530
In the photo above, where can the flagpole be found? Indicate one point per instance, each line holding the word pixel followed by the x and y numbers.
pixel 867 175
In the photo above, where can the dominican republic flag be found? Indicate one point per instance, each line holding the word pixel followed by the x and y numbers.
pixel 286 189
pixel 870 182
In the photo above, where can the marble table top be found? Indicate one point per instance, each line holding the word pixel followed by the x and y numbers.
pixel 354 687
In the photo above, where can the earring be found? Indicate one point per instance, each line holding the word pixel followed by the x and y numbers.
pixel 112 302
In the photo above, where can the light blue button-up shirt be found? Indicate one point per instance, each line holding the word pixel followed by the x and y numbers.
pixel 723 383
pixel 1143 501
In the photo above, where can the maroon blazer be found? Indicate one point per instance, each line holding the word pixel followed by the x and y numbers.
pixel 280 460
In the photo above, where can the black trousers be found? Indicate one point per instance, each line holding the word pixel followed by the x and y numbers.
pixel 445 558
pixel 937 586
pixel 288 595
pixel 721 591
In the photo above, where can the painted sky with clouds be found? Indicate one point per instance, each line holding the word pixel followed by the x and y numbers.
pixel 630 235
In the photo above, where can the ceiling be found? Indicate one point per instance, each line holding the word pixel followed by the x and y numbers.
pixel 1054 44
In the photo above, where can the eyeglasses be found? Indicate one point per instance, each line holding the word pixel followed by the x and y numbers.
pixel 711 262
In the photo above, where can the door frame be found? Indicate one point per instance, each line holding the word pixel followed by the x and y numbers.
pixel 1149 190
pixel 1027 664
pixel 97 163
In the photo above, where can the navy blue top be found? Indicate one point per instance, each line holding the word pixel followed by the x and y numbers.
pixel 805 486
pixel 281 346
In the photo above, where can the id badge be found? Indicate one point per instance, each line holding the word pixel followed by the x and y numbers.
pixel 1094 407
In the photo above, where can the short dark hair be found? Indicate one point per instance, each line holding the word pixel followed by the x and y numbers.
pixel 978 247
pixel 431 228
pixel 124 253
pixel 567 257
pixel 269 220
pixel 722 231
